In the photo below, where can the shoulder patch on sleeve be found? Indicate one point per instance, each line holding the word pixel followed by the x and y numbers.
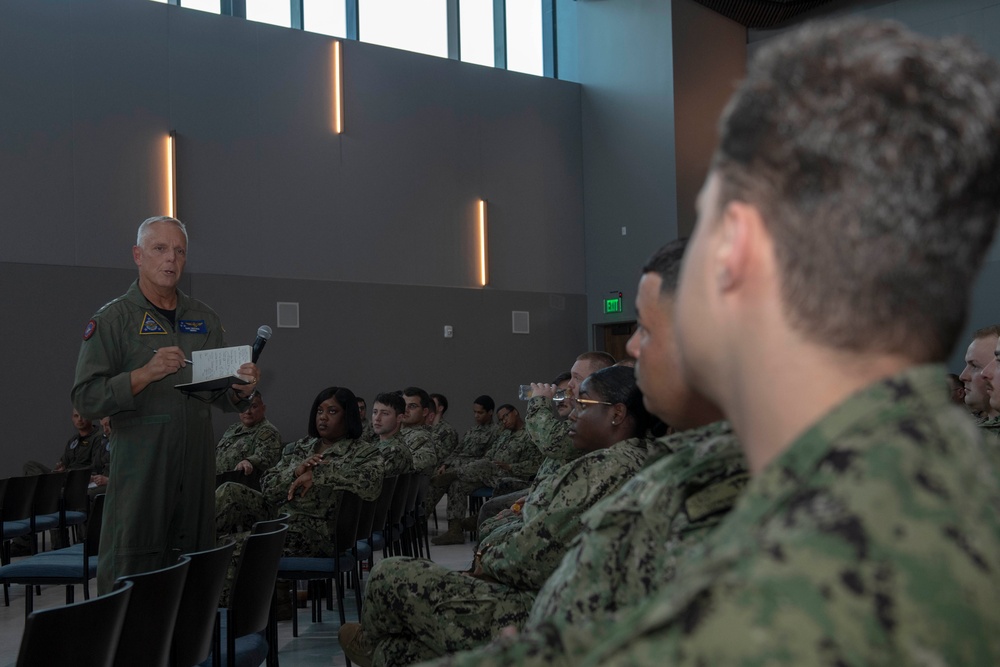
pixel 89 330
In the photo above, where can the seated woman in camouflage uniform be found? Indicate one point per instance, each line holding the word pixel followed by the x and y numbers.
pixel 415 610
pixel 308 480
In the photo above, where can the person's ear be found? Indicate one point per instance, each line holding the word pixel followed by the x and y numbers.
pixel 740 229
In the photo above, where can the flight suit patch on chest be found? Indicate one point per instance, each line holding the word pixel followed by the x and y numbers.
pixel 150 326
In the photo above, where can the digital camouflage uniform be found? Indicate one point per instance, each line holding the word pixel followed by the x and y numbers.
pixel 630 542
pixel 551 435
pixel 259 444
pixel 873 539
pixel 160 500
pixel 511 447
pixel 368 433
pixel 991 427
pixel 474 445
pixel 445 439
pixel 416 610
pixel 348 465
pixel 396 455
pixel 421 444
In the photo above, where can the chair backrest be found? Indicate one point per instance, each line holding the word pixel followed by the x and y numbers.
pixel 345 529
pixel 411 495
pixel 366 518
pixel 398 505
pixel 84 634
pixel 75 498
pixel 270 525
pixel 152 612
pixel 48 492
pixel 18 498
pixel 192 640
pixel 423 489
pixel 250 598
pixel 382 503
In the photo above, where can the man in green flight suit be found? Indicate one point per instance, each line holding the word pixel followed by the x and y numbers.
pixel 135 349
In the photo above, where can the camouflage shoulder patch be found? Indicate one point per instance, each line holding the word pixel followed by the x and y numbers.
pixel 715 498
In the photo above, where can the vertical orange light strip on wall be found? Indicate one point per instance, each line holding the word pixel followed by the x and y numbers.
pixel 483 273
pixel 172 174
pixel 338 90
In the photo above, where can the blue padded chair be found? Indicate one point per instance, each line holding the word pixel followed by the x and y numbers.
pixel 152 613
pixel 242 625
pixel 199 605
pixel 69 566
pixel 15 510
pixel 83 635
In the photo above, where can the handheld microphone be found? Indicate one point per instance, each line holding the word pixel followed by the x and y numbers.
pixel 263 335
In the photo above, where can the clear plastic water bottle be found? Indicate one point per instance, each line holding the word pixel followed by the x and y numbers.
pixel 524 393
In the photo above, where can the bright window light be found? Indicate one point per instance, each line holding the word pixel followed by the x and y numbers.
pixel 327 17
pixel 524 36
pixel 275 12
pixel 414 25
pixel 476 30
pixel 211 6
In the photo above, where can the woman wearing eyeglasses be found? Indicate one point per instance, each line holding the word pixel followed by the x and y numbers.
pixel 416 610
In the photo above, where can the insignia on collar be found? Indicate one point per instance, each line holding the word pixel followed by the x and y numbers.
pixel 89 330
pixel 150 326
pixel 192 326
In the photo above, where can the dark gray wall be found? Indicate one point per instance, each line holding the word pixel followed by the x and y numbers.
pixel 373 231
pixel 978 20
pixel 626 68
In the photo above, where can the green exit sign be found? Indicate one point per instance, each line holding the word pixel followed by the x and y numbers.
pixel 613 304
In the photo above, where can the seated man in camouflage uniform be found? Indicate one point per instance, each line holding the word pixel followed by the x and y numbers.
pixel 415 609
pixel 251 446
pixel 828 277
pixel 387 419
pixel 416 434
pixel 474 445
pixel 512 454
pixel 445 435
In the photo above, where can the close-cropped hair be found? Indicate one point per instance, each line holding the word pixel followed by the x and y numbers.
pixel 565 376
pixel 507 406
pixel 425 398
pixel 485 402
pixel 597 359
pixel 144 226
pixel 873 156
pixel 992 330
pixel 348 403
pixel 666 263
pixel 617 385
pixel 392 399
pixel 441 400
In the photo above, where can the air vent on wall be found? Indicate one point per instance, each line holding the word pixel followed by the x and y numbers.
pixel 519 319
pixel 761 13
pixel 288 315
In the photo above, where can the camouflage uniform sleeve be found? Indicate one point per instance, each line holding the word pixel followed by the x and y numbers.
pixel 275 482
pixel 361 474
pixel 523 456
pixel 525 558
pixel 550 435
pixel 267 448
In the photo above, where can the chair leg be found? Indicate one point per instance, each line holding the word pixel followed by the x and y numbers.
pixel 294 593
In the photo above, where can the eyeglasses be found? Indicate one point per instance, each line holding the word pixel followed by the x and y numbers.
pixel 583 403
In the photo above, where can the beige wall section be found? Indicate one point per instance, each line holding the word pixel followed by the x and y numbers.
pixel 709 60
